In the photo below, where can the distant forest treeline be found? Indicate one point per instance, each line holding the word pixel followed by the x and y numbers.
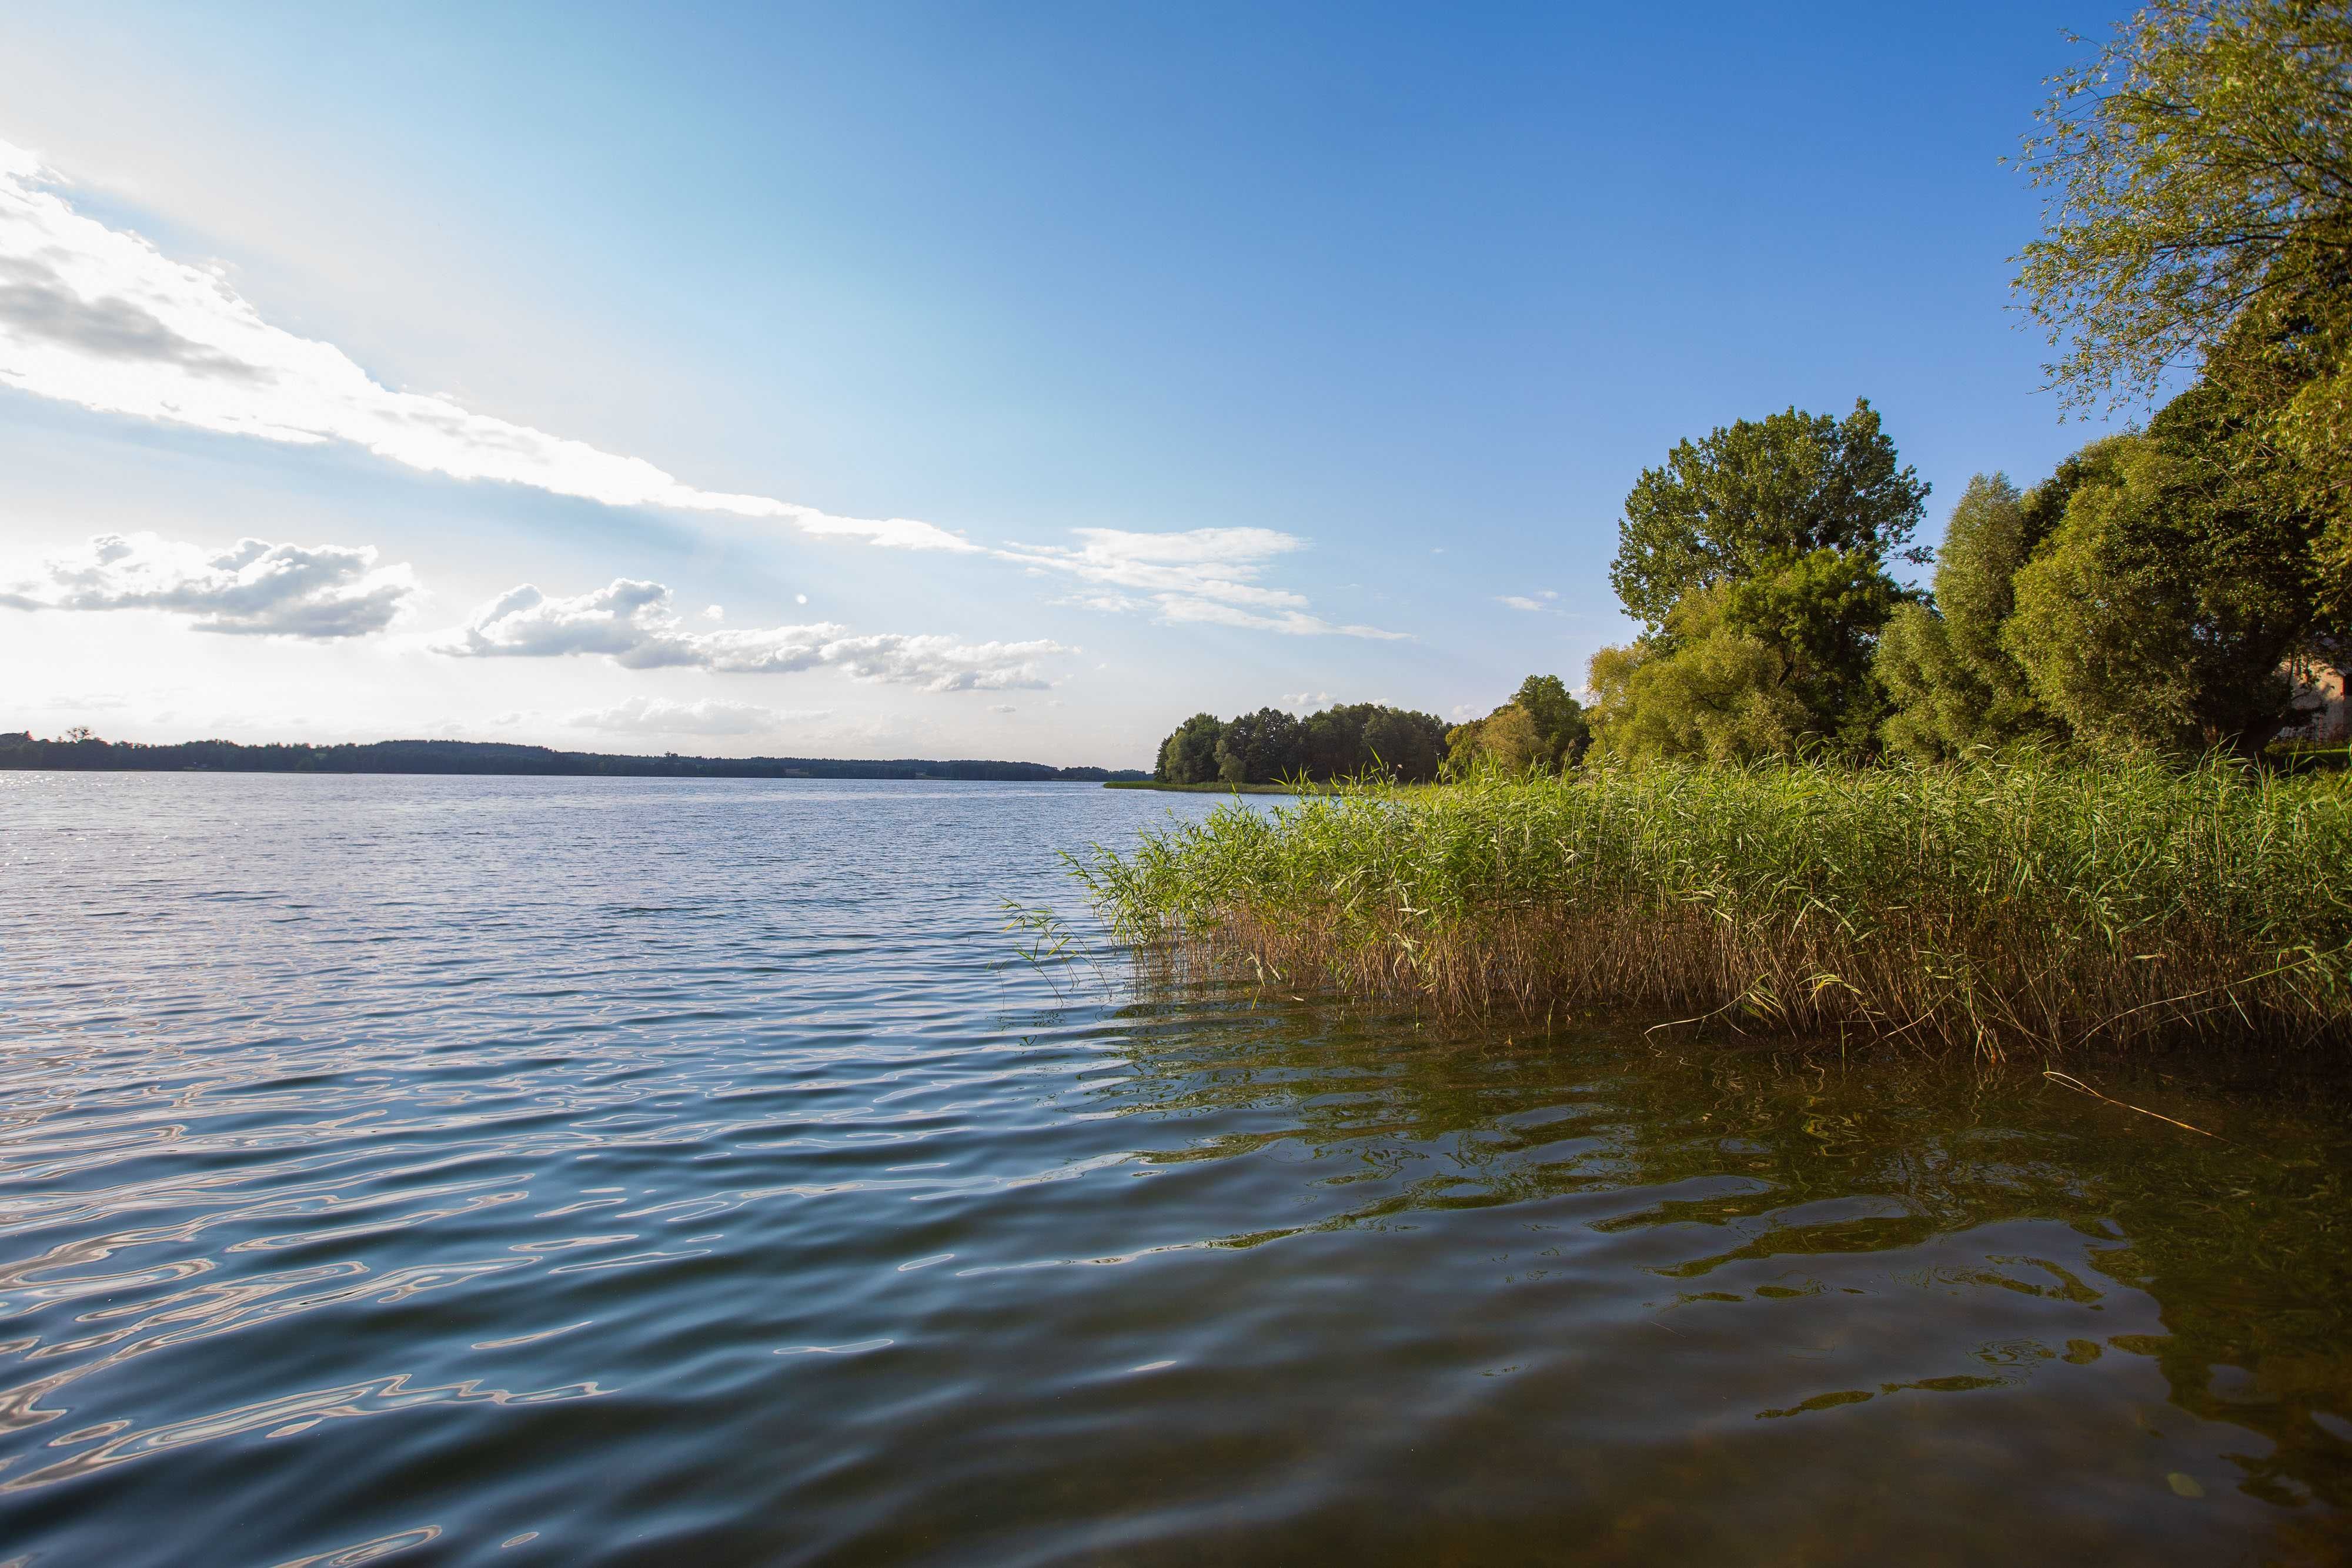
pixel 1542 728
pixel 83 752
pixel 1271 746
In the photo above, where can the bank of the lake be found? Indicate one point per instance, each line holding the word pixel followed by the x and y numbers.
pixel 2031 903
pixel 1215 789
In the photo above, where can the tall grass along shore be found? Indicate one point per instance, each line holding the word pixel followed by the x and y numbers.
pixel 2027 903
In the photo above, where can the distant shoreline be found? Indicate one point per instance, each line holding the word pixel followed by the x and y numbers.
pixel 1116 782
pixel 20 752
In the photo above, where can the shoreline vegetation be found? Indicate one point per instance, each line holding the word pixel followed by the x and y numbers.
pixel 2022 904
pixel 2084 786
pixel 79 751
pixel 1301 787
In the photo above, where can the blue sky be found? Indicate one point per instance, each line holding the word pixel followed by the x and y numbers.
pixel 1337 327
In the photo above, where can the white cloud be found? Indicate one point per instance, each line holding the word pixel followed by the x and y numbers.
pixel 1207 575
pixel 100 318
pixel 1541 602
pixel 254 587
pixel 658 715
pixel 633 623
pixel 1003 707
pixel 1306 702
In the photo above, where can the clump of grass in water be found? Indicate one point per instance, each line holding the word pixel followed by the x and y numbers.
pixel 2032 901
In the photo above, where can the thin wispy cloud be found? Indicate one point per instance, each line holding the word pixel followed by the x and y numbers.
pixel 100 318
pixel 97 316
pixel 635 625
pixel 1538 604
pixel 1197 575
pixel 709 715
pixel 254 588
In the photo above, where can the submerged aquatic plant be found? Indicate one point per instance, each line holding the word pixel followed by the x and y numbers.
pixel 2028 901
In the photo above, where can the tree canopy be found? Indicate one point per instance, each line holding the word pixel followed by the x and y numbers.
pixel 1542 729
pixel 2198 163
pixel 2162 610
pixel 1270 745
pixel 1952 684
pixel 1758 493
pixel 1189 756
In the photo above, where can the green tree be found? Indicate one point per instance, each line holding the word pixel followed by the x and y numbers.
pixel 1409 747
pixel 2200 212
pixel 1757 494
pixel 1952 684
pixel 1511 738
pixel 1189 756
pixel 1559 719
pixel 1259 748
pixel 1507 739
pixel 1464 747
pixel 1703 688
pixel 1821 613
pixel 1331 743
pixel 2200 163
pixel 2278 413
pixel 2160 610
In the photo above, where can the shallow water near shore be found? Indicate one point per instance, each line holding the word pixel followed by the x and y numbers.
pixel 491 1170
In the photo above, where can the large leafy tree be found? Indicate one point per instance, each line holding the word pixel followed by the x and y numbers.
pixel 2160 610
pixel 2198 163
pixel 1701 688
pixel 1757 494
pixel 1405 745
pixel 1952 684
pixel 1189 756
pixel 2198 172
pixel 1822 614
pixel 1259 748
pixel 1561 732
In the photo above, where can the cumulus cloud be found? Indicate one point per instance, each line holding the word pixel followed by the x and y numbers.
pixel 658 715
pixel 99 316
pixel 254 588
pixel 634 623
pixel 1197 575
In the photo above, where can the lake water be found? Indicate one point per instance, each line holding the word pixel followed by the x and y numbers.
pixel 506 1171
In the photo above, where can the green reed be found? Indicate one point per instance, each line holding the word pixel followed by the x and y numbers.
pixel 2029 902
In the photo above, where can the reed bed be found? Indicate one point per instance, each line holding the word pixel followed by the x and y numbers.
pixel 2032 903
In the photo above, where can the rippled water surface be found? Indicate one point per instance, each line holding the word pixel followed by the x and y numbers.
pixel 479 1170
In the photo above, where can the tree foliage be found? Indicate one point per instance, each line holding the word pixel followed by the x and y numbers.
pixel 1703 688
pixel 1189 756
pixel 1952 684
pixel 1270 745
pixel 1541 729
pixel 1756 494
pixel 1754 666
pixel 1258 748
pixel 1561 732
pixel 2161 611
pixel 2202 161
